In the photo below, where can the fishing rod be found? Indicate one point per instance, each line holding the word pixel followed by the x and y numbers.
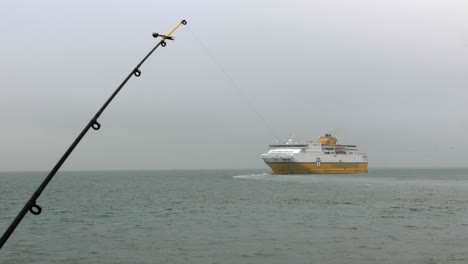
pixel 31 204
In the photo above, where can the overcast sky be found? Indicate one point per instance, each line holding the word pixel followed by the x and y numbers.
pixel 388 76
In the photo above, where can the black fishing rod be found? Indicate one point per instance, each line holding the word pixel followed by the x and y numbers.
pixel 31 205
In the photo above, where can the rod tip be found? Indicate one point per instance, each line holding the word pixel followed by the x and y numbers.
pixel 184 22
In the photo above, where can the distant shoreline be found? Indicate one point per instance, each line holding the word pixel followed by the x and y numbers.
pixel 219 169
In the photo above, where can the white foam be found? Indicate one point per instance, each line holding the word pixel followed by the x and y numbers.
pixel 275 177
pixel 253 176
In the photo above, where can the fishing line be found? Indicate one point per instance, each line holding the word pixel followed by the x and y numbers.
pixel 239 91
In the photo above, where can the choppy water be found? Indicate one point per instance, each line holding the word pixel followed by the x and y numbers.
pixel 245 216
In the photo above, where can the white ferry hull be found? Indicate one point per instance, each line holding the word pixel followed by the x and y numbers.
pixel 321 157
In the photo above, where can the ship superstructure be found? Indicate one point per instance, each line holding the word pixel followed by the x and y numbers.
pixel 323 156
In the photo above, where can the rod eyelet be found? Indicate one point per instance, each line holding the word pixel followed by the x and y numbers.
pixel 95 125
pixel 137 72
pixel 163 44
pixel 184 22
pixel 35 209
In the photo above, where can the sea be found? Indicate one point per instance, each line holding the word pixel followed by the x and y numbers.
pixel 389 215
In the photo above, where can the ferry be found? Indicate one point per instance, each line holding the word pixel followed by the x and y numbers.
pixel 322 157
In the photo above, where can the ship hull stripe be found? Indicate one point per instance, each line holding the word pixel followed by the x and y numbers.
pixel 311 167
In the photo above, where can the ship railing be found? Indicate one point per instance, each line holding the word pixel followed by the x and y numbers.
pixel 289 145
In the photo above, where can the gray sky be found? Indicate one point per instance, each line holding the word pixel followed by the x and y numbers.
pixel 389 76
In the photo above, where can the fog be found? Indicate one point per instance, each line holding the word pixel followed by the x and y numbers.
pixel 388 76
